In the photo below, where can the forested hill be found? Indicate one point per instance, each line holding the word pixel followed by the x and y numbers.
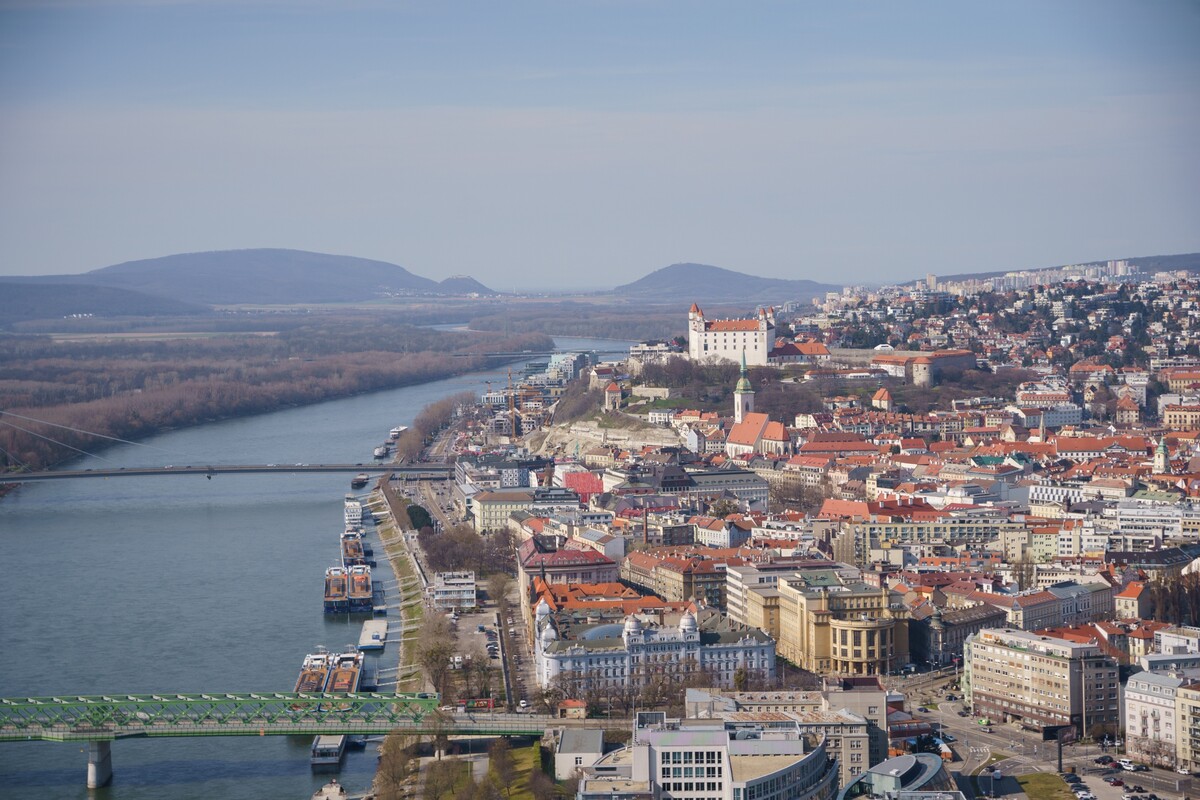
pixel 702 283
pixel 264 276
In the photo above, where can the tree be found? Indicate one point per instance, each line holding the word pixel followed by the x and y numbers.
pixel 502 765
pixel 497 584
pixel 440 777
pixel 541 785
pixel 435 648
pixel 398 766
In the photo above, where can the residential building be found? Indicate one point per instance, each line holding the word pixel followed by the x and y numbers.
pixel 1150 730
pixel 1040 681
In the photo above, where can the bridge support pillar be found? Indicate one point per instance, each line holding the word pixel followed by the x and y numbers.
pixel 99 771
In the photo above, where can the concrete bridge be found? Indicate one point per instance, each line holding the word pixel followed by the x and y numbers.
pixel 423 470
pixel 101 720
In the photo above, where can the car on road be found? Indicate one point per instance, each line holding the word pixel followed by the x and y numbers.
pixel 1104 759
pixel 923 709
pixel 948 738
pixel 963 714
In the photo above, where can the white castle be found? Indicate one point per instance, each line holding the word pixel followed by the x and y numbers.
pixel 731 339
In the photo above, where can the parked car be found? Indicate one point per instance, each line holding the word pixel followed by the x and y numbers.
pixel 1138 790
pixel 1071 778
pixel 1114 781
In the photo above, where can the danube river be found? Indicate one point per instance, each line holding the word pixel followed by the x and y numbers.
pixel 182 584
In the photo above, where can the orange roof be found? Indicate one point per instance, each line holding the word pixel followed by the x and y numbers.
pixel 731 325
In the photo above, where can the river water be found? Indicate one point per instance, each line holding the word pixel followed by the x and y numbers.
pixel 180 584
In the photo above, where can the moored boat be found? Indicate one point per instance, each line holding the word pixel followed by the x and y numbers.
pixel 314 672
pixel 352 511
pixel 381 451
pixel 395 432
pixel 354 552
pixel 327 752
pixel 336 590
pixel 359 594
pixel 360 480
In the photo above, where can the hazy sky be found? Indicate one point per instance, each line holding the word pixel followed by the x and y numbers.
pixel 578 144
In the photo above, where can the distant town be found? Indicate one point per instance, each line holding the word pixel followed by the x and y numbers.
pixel 871 594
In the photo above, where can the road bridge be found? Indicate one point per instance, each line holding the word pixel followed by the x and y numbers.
pixel 433 471
pixel 101 720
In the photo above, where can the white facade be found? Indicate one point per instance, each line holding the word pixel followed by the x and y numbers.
pixel 712 760
pixel 453 590
pixel 639 654
pixel 1150 717
pixel 731 339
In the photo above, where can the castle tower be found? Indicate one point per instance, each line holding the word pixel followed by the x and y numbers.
pixel 743 395
pixel 695 333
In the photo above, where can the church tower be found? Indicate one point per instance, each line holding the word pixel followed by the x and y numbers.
pixel 1161 465
pixel 743 395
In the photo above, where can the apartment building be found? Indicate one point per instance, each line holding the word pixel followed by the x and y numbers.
pixel 1040 681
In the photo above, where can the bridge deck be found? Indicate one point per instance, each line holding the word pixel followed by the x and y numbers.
pixel 107 718
pixel 428 471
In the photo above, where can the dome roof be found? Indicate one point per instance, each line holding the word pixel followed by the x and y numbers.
pixel 688 622
pixel 549 634
pixel 633 624
pixel 543 608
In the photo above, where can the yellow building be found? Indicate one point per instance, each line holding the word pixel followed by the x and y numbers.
pixel 849 629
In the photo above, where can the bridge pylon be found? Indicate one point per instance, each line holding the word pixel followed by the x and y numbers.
pixel 99 768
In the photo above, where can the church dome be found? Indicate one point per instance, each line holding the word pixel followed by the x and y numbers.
pixel 687 624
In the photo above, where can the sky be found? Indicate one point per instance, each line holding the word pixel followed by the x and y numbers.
pixel 564 145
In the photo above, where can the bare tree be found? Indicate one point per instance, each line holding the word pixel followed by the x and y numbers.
pixel 398 766
pixel 435 648
pixel 501 764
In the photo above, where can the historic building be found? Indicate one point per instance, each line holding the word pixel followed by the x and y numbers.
pixel 632 655
pixel 731 339
pixel 845 629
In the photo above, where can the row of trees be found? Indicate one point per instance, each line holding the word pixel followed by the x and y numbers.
pixel 1174 600
pixel 461 548
pixel 128 389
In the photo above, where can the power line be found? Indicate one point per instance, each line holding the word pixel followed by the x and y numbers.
pixel 52 441
pixel 79 430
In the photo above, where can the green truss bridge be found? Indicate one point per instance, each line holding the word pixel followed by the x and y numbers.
pixel 103 719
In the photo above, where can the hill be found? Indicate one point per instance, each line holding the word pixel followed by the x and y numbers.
pixel 21 301
pixel 462 285
pixel 702 283
pixel 263 276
